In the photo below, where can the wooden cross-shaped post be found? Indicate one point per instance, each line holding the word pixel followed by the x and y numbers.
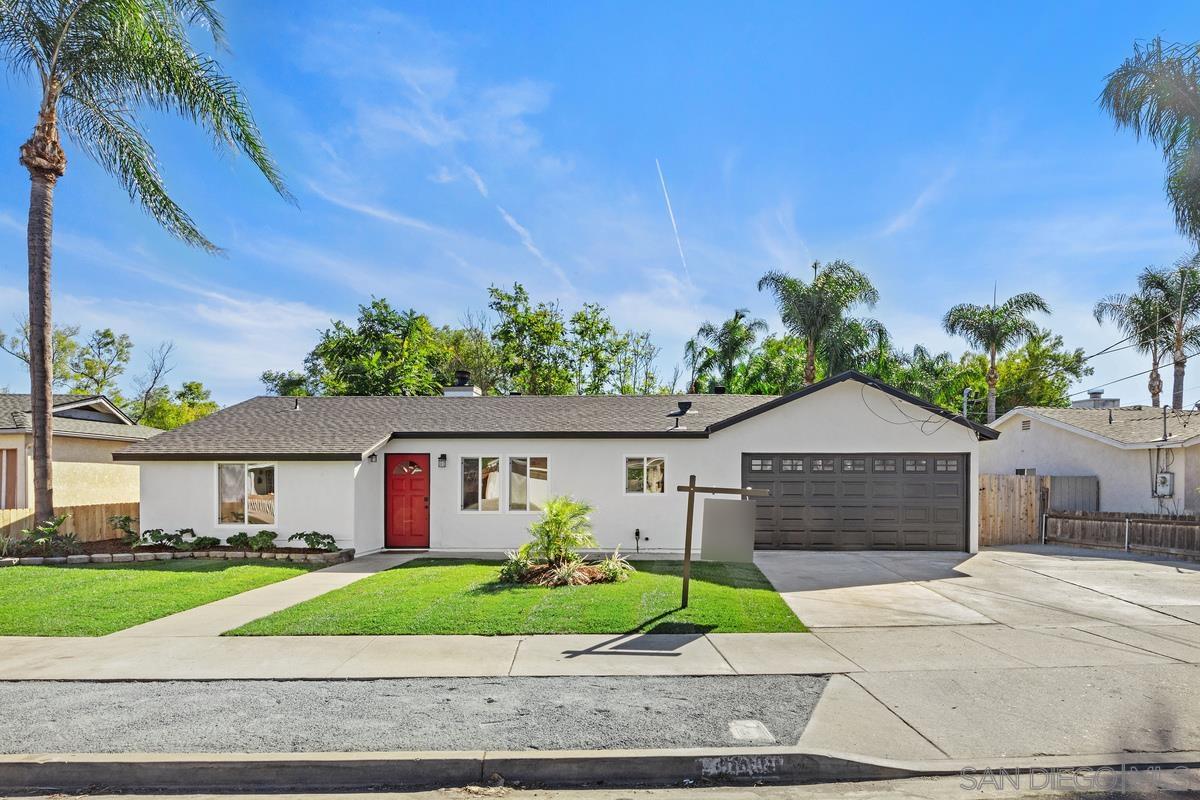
pixel 691 488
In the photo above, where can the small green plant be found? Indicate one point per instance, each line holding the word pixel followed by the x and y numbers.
pixel 11 548
pixel 239 541
pixel 615 568
pixel 571 572
pixel 127 525
pixel 204 543
pixel 315 540
pixel 515 567
pixel 263 540
pixel 46 538
pixel 564 527
pixel 159 537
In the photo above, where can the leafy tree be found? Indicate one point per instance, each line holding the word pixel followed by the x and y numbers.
pixel 169 410
pixel 98 62
pixel 1179 289
pixel 776 367
pixel 936 377
pixel 812 310
pixel 532 343
pixel 286 384
pixel 63 348
pixel 1156 94
pixel 1037 373
pixel 388 352
pixel 633 366
pixel 724 346
pixel 593 347
pixel 1145 318
pixel 99 361
pixel 995 328
pixel 471 347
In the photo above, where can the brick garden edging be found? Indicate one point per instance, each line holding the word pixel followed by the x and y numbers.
pixel 335 557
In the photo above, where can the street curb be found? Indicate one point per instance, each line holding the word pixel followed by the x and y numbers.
pixel 346 771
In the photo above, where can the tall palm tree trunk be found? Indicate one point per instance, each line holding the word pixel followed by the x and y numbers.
pixel 1155 384
pixel 992 378
pixel 1180 368
pixel 43 156
pixel 810 362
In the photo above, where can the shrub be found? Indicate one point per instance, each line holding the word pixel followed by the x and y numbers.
pixel 157 536
pixel 515 568
pixel 263 540
pixel 239 541
pixel 12 548
pixel 315 540
pixel 126 525
pixel 615 568
pixel 46 539
pixel 565 526
pixel 204 543
pixel 571 572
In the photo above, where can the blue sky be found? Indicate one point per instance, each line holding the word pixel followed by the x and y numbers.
pixel 438 148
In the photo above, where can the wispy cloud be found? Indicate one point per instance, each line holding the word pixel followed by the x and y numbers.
pixel 909 216
pixel 527 242
pixel 377 212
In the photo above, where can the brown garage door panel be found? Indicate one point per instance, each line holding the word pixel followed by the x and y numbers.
pixel 914 501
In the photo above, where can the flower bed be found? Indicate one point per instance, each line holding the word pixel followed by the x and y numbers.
pixel 123 554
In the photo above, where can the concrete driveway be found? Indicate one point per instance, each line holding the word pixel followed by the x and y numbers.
pixel 1028 587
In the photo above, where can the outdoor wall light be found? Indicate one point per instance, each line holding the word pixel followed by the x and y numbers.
pixel 442 461
pixel 372 458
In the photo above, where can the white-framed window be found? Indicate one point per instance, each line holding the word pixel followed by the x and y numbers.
pixel 479 483
pixel 246 494
pixel 645 474
pixel 528 483
pixel 791 464
pixel 762 464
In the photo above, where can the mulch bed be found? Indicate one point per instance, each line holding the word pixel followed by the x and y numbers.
pixel 119 546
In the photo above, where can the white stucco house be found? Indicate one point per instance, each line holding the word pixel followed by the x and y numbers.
pixel 1147 459
pixel 851 464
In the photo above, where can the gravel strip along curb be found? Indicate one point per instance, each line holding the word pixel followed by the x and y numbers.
pixel 314 772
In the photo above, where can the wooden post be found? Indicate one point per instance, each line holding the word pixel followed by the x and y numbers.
pixel 687 539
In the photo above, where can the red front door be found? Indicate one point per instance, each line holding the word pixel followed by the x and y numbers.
pixel 406 491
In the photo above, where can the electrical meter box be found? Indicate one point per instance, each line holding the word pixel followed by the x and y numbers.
pixel 1164 484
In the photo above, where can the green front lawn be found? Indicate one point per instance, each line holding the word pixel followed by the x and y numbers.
pixel 451 596
pixel 98 599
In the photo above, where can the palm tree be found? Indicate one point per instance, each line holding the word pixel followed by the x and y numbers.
pixel 1179 289
pixel 1156 93
pixel 97 62
pixel 995 328
pixel 811 310
pixel 1144 318
pixel 726 344
pixel 860 344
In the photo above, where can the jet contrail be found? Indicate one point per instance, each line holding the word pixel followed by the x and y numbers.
pixel 679 242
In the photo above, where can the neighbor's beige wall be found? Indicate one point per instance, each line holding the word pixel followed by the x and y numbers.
pixel 17 441
pixel 84 472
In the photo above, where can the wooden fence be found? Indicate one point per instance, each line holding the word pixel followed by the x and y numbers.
pixel 1143 533
pixel 1010 508
pixel 89 523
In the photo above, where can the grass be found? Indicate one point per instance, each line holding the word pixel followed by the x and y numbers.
pixel 98 599
pixel 452 596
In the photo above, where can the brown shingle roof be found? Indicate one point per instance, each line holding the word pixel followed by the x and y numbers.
pixel 348 427
pixel 1143 425
pixel 15 415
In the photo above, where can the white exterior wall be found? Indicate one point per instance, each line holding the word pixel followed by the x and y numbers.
pixel 833 420
pixel 309 495
pixel 1125 475
pixel 347 498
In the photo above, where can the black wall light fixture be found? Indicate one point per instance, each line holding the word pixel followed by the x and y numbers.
pixel 442 461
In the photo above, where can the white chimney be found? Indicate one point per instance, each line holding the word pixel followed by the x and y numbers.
pixel 462 386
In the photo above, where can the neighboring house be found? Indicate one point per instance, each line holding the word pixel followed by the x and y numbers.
pixel 853 464
pixel 1147 459
pixel 87 431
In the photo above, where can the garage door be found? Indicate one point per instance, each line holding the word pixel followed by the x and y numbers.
pixel 861 501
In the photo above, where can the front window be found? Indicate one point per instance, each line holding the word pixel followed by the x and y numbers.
pixel 481 483
pixel 528 483
pixel 246 494
pixel 645 475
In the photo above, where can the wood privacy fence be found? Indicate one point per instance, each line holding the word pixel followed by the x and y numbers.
pixel 1144 533
pixel 89 523
pixel 1011 506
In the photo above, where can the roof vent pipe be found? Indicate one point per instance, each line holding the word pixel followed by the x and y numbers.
pixel 719 389
pixel 297 406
